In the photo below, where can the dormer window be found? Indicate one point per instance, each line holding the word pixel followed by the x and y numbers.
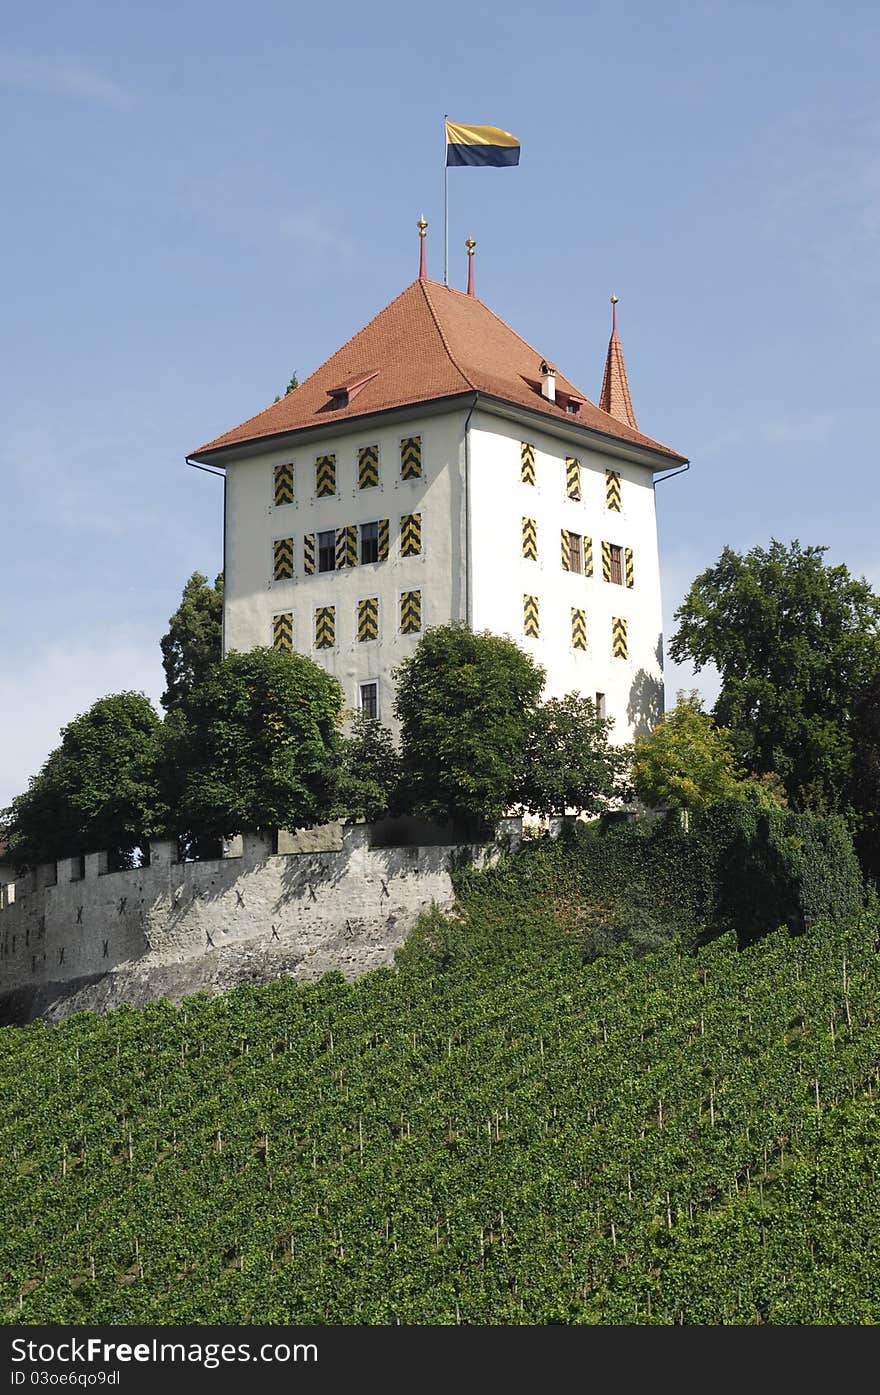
pixel 348 390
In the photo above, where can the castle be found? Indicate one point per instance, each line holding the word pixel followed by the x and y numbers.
pixel 438 468
pixel 435 468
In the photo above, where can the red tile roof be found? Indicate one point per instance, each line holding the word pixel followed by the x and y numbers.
pixel 431 342
pixel 614 397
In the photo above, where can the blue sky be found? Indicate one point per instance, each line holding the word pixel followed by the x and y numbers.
pixel 199 199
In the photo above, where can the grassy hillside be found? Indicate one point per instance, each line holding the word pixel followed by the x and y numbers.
pixel 503 1132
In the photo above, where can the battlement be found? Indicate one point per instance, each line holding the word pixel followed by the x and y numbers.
pixel 329 897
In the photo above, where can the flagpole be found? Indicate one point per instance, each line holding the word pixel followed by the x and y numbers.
pixel 445 206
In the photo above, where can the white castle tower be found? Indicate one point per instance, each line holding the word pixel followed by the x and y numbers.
pixel 437 468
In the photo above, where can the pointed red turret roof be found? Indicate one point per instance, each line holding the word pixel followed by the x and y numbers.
pixel 430 343
pixel 614 397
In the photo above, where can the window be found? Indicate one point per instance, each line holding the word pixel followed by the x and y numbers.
pixel 612 563
pixel 572 553
pixel 616 554
pixel 327 551
pixel 600 704
pixel 370 700
pixel 369 542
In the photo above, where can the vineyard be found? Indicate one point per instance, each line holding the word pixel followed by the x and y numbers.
pixel 523 1137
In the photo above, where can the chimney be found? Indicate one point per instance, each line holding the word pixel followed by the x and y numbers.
pixel 548 381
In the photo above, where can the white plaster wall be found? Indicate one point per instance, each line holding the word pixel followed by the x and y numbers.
pixel 253 522
pixel 501 576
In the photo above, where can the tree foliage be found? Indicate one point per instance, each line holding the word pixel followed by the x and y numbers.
pixel 686 762
pixel 96 790
pixel 568 763
pixel 193 644
pixel 367 771
pixel 257 744
pixel 465 702
pixel 796 642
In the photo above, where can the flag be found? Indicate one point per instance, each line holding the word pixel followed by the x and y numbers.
pixel 480 145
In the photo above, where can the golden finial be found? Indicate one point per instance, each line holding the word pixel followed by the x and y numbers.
pixel 615 300
pixel 422 227
pixel 470 244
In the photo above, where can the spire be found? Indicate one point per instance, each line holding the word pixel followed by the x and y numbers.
pixel 614 397
pixel 470 245
pixel 423 229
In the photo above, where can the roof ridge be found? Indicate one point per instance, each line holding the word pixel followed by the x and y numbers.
pixel 443 340
pixel 323 365
pixel 531 348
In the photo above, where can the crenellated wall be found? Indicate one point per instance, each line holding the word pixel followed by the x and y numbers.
pixel 327 899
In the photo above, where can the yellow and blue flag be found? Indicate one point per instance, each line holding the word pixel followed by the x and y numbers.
pixel 480 145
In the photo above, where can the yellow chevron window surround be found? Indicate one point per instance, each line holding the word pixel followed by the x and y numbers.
pixel 282 632
pixel 282 559
pixel 630 568
pixel 612 490
pixel 368 619
pixel 588 556
pixel 368 467
pixel 325 476
pixel 384 534
pixel 530 540
pixel 618 638
pixel 283 485
pixel 573 477
pixel 309 554
pixel 531 617
pixel 527 462
pixel 346 546
pixel 578 629
pixel 411 458
pixel 325 627
pixel 410 534
pixel 410 612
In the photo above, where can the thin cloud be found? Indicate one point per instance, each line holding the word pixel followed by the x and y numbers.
pixel 61 78
pixel 305 225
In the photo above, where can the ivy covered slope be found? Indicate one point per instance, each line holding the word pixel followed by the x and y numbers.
pixel 509 1130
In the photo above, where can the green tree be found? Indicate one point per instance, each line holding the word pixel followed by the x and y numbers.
pixel 294 383
pixel 568 763
pixel 193 644
pixel 96 791
pixel 465 703
pixel 686 762
pixel 367 771
pixel 257 745
pixel 865 786
pixel 796 642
